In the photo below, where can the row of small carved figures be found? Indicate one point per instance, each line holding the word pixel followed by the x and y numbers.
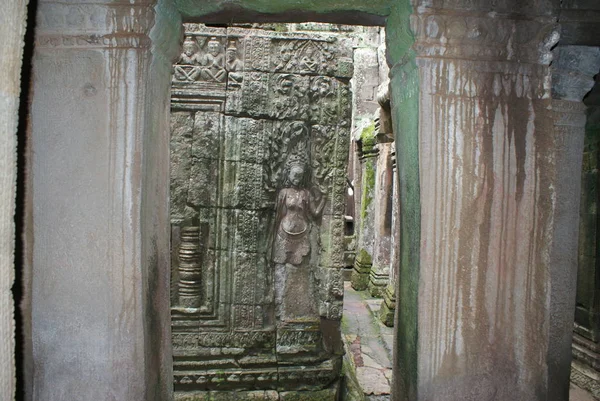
pixel 211 65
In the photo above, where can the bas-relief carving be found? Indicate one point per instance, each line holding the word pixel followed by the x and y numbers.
pixel 265 175
pixel 297 207
pixel 201 60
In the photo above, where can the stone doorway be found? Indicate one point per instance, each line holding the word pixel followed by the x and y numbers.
pixel 257 254
pixel 100 204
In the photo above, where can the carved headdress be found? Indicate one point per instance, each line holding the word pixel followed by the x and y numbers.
pixel 189 41
pixel 298 156
pixel 232 46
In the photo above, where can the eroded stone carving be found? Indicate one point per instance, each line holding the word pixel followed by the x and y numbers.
pixel 297 206
pixel 201 60
pixel 234 65
pixel 259 143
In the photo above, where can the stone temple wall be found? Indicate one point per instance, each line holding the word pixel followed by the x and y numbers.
pixel 260 132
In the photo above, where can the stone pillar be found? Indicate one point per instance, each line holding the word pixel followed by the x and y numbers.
pixel 573 73
pixel 382 221
pixel 484 296
pixel 367 153
pixel 365 81
pixel 380 271
pixel 573 70
pixel 99 176
pixel 388 306
pixel 12 29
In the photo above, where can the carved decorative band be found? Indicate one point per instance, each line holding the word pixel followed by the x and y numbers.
pixel 100 18
pixel 261 378
pixel 484 37
pixel 248 339
pixel 569 114
pixel 131 41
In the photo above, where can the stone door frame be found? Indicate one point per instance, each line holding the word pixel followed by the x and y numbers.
pixel 121 100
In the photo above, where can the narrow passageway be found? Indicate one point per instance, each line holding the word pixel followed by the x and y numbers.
pixel 368 345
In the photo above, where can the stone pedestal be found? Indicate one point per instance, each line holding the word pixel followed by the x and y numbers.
pixel 99 193
pixel 361 271
pixel 585 368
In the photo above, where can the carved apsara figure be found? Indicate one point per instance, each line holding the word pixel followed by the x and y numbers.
pixel 213 62
pixel 187 68
pixel 297 207
pixel 234 66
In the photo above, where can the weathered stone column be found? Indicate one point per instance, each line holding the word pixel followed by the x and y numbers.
pixel 12 29
pixel 382 222
pixel 382 232
pixel 483 288
pixel 99 190
pixel 388 306
pixel 573 71
pixel 367 153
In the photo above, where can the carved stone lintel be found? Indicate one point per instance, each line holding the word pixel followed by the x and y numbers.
pixel 484 37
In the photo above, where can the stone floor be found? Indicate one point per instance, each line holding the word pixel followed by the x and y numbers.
pixel 368 346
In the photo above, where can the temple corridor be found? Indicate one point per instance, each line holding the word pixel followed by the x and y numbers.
pixel 299 200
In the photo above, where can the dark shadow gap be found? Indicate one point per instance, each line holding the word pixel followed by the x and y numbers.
pixel 19 286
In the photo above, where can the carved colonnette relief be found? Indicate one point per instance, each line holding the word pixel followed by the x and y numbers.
pixel 259 139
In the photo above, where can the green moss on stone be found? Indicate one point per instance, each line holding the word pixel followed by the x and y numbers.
pixel 367 136
pixel 404 91
pixel 369 187
pixel 280 27
pixel 363 257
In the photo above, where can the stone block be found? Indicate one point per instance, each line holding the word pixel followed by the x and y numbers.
pixel 245 139
pixel 361 272
pixel 366 81
pixel 204 177
pixel 388 306
pixel 206 136
pixel 332 243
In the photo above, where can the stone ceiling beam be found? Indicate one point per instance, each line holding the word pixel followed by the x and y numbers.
pixel 360 12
